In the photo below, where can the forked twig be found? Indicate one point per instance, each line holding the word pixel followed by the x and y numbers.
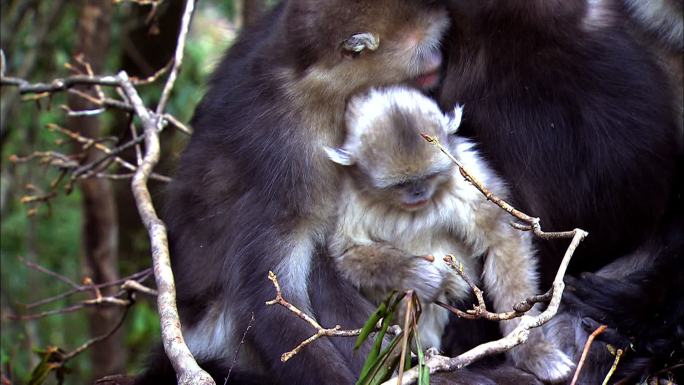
pixel 320 331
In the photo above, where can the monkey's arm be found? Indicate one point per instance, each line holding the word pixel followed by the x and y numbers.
pixel 378 268
pixel 510 276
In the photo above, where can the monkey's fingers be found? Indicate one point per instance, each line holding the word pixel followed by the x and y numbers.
pixel 429 258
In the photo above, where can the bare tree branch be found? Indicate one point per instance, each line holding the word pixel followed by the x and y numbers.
pixel 138 277
pixel 533 223
pixel 320 331
pixel 122 298
pixel 585 352
pixel 516 337
pixel 480 311
pixel 613 368
pixel 51 273
pixel 187 370
pixel 237 351
pixel 178 57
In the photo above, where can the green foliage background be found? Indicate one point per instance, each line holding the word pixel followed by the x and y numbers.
pixel 52 237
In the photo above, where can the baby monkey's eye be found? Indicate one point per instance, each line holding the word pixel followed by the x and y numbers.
pixel 357 43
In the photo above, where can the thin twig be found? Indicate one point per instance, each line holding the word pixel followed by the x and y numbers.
pixel 320 331
pixel 49 272
pixel 533 224
pixel 178 56
pixel 86 345
pixel 131 285
pixel 618 355
pixel 479 311
pixel 140 276
pixel 138 150
pixel 57 84
pixel 585 352
pixel 139 2
pixel 154 77
pixel 177 123
pixel 237 351
pixel 516 337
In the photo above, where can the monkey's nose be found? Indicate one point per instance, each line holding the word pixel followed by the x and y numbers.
pixel 418 191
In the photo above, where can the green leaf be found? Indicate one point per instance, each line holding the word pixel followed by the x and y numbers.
pixel 374 353
pixel 381 363
pixel 423 370
pixel 51 360
pixel 369 326
pixel 386 370
pixel 386 312
pixel 384 366
pixel 424 378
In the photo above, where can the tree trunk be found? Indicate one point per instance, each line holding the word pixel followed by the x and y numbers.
pixel 100 232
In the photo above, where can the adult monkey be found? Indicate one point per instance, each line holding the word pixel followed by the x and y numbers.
pixel 580 119
pixel 255 191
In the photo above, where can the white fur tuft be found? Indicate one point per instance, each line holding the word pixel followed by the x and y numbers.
pixel 339 156
pixel 454 119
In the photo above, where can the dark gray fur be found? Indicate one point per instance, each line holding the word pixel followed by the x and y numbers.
pixel 579 117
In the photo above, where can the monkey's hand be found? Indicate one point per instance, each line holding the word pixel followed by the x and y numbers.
pixel 379 268
pixel 425 277
pixel 541 357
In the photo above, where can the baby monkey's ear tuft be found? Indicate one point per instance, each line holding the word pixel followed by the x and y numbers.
pixel 339 156
pixel 454 119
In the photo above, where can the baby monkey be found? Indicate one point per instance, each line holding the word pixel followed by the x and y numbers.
pixel 405 206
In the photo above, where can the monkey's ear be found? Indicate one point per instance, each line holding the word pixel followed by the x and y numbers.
pixel 454 119
pixel 339 156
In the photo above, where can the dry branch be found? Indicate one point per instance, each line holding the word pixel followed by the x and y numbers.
pixel 613 368
pixel 153 121
pixel 533 223
pixel 122 298
pixel 585 352
pixel 320 331
pixel 138 277
pixel 187 370
pixel 178 56
pixel 480 311
pixel 516 337
pixel 36 91
pixel 521 332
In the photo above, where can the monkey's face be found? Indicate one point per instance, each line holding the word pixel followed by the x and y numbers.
pixel 397 169
pixel 411 194
pixel 346 46
pixel 390 162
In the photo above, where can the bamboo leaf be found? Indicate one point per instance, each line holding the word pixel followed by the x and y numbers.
pixel 369 326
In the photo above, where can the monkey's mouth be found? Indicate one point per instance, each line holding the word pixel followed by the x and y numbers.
pixel 431 75
pixel 427 80
pixel 415 205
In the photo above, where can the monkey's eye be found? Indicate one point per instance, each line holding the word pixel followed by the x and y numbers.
pixel 356 44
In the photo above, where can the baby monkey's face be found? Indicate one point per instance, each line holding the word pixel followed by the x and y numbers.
pixel 388 160
pixel 410 192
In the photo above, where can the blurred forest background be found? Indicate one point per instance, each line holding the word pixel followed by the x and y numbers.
pixel 93 231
